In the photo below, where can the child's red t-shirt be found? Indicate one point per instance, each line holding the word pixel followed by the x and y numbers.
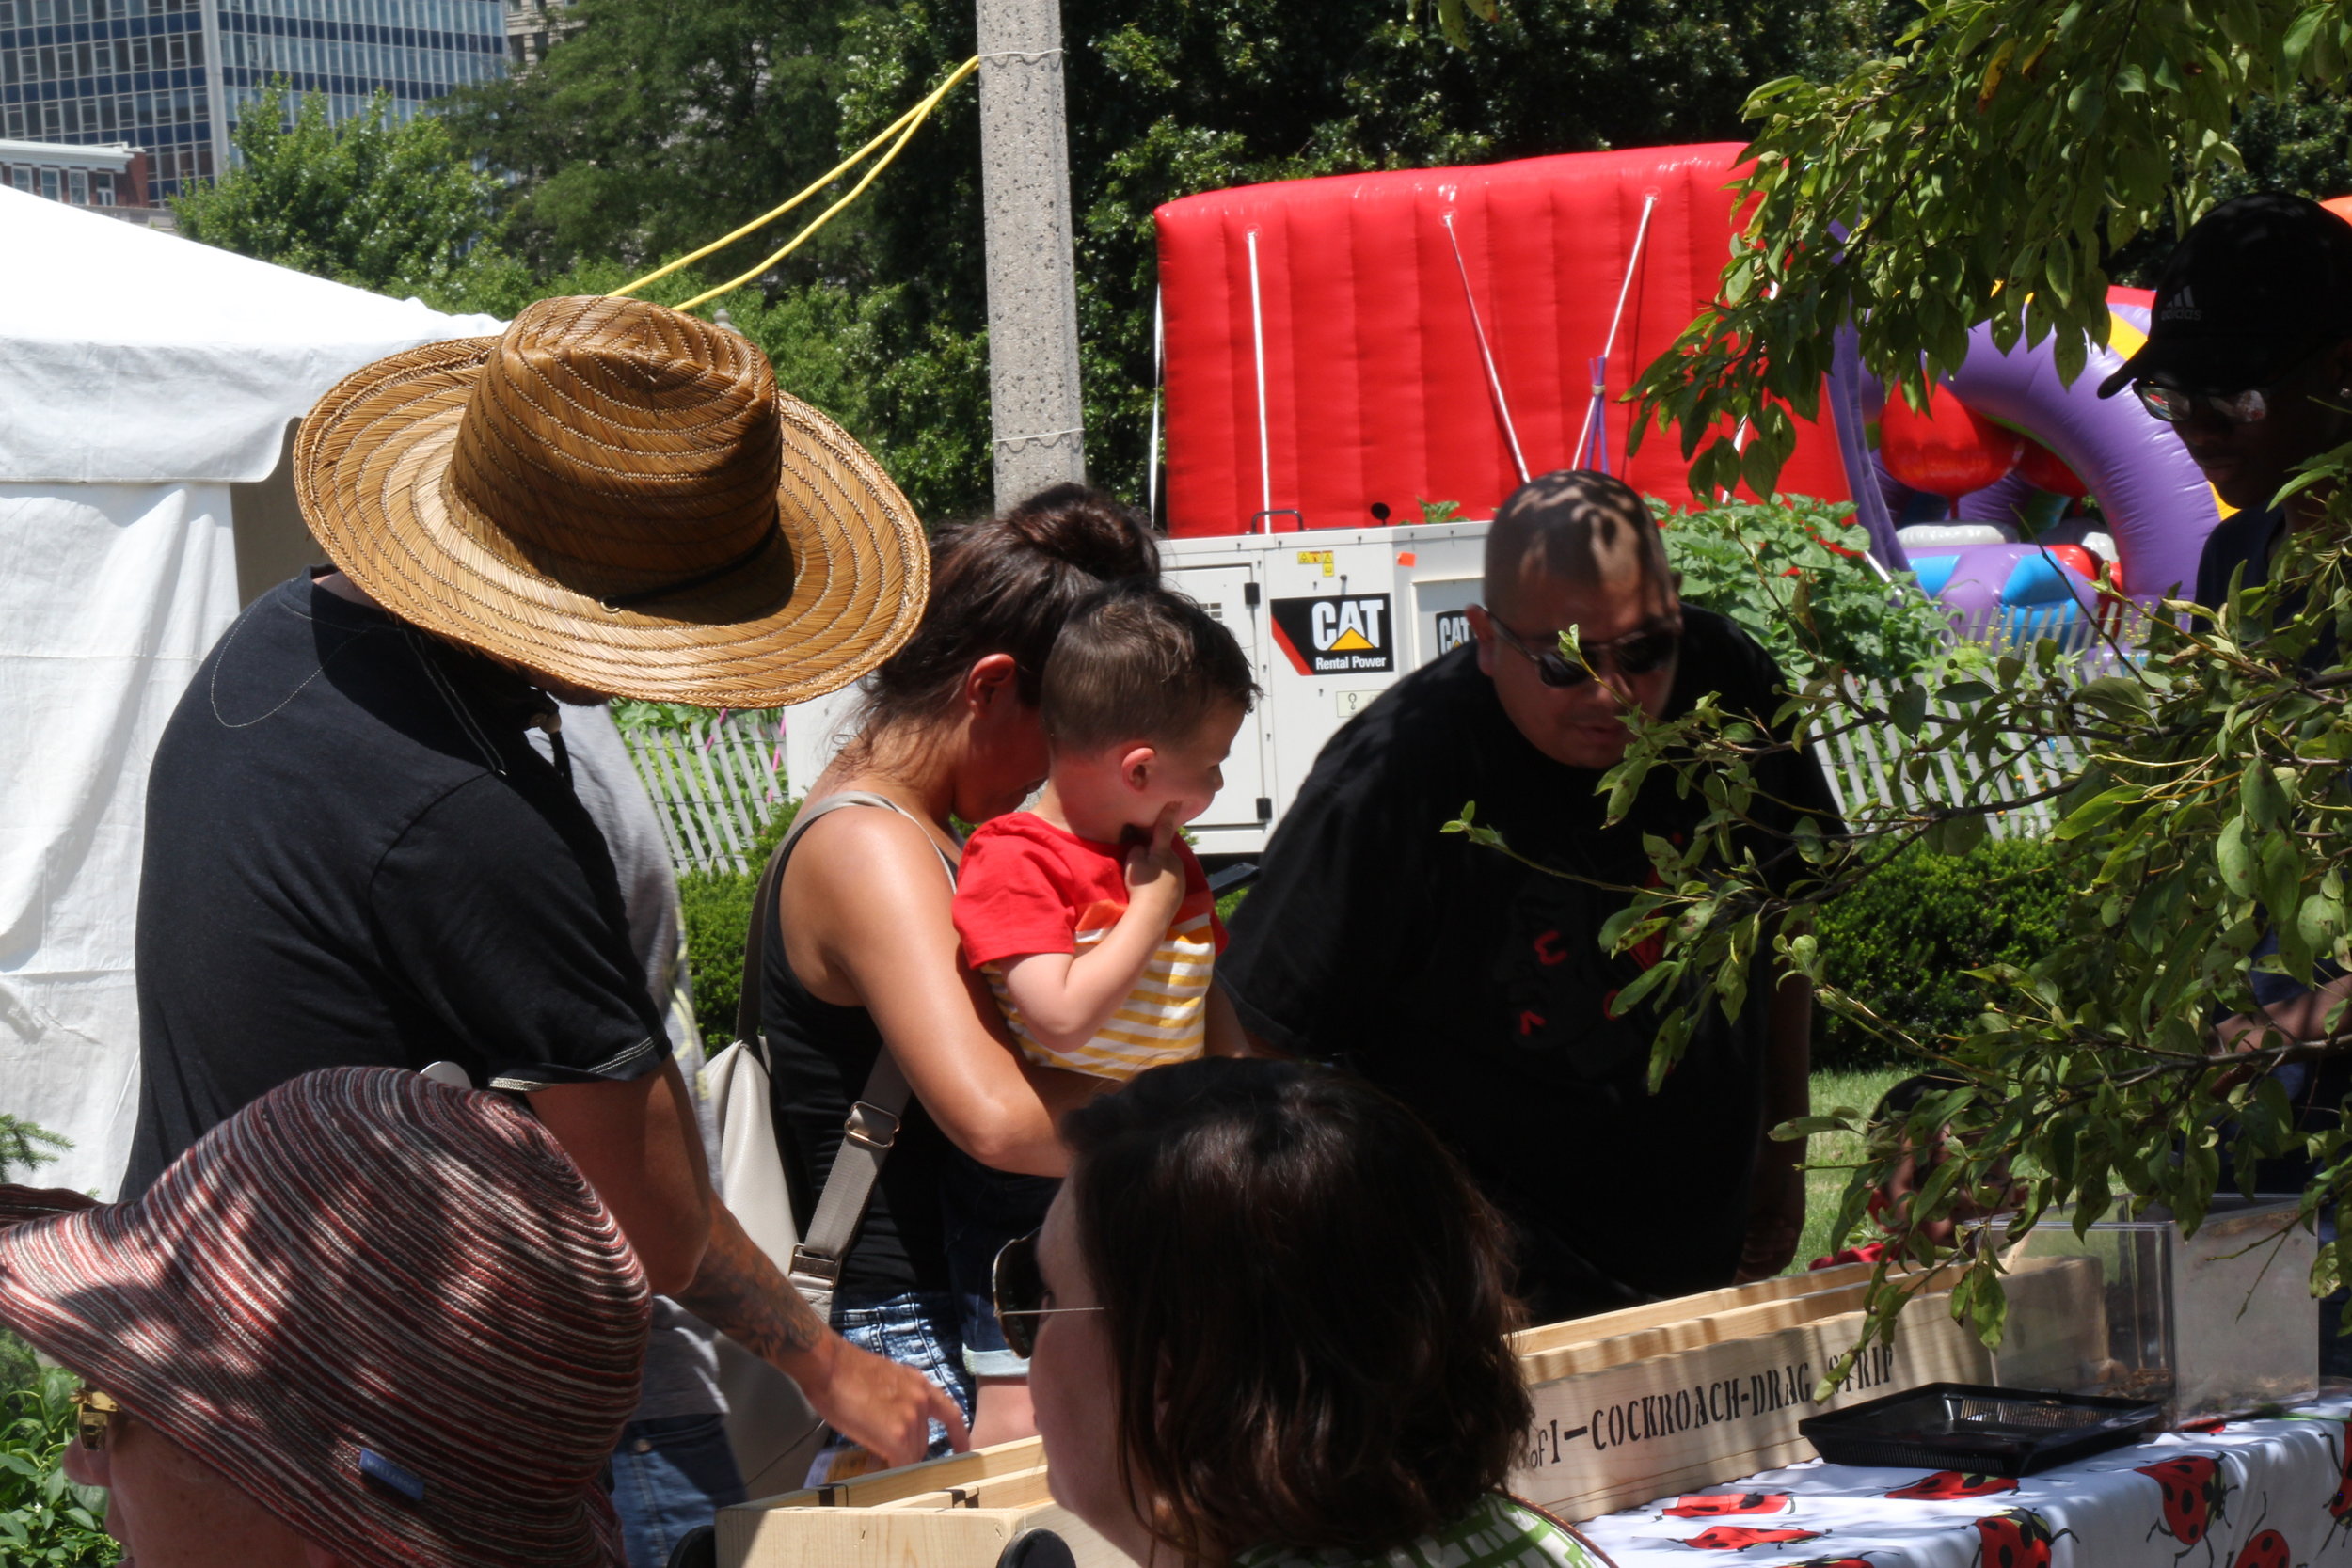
pixel 1027 886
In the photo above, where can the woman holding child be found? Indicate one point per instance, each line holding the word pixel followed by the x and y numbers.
pixel 864 954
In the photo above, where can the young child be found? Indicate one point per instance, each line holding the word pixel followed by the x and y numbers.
pixel 1091 921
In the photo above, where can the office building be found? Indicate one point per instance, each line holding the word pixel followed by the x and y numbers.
pixel 171 75
pixel 532 26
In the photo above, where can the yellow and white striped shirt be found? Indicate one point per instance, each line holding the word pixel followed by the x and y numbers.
pixel 1026 887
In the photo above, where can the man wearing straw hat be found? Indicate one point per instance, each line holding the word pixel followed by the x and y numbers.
pixel 355 857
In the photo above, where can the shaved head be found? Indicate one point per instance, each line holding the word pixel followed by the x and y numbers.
pixel 1579 527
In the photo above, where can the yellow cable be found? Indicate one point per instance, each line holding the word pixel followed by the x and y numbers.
pixel 908 121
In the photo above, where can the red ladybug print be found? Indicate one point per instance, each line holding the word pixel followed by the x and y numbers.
pixel 1715 1505
pixel 2266 1550
pixel 2015 1538
pixel 1947 1484
pixel 1739 1538
pixel 2340 1504
pixel 2193 1497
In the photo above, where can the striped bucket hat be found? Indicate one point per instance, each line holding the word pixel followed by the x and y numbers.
pixel 390 1311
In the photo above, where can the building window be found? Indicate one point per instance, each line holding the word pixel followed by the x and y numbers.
pixel 77 186
pixel 103 189
pixel 20 176
pixel 49 183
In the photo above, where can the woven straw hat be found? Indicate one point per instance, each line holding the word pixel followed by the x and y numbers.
pixel 615 495
pixel 389 1311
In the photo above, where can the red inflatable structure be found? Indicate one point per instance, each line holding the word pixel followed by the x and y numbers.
pixel 1420 335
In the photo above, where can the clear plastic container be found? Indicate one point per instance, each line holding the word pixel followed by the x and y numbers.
pixel 2208 1324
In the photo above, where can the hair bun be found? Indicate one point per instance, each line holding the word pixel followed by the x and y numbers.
pixel 1089 529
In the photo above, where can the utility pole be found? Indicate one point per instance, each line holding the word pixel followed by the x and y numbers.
pixel 1037 418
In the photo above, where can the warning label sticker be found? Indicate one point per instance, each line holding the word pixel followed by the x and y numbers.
pixel 1328 635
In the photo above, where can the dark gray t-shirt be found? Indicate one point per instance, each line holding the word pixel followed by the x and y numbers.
pixel 354 857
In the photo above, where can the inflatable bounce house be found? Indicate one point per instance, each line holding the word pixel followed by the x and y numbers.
pixel 1350 351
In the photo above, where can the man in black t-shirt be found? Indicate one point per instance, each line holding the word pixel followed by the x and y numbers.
pixel 355 857
pixel 2248 357
pixel 1474 988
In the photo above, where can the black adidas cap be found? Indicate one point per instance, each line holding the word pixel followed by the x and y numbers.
pixel 2256 285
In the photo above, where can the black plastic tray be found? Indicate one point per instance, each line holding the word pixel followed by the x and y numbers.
pixel 1984 1432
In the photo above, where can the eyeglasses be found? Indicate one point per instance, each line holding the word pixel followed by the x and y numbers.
pixel 1019 1289
pixel 1635 654
pixel 95 1413
pixel 2174 407
pixel 2249 407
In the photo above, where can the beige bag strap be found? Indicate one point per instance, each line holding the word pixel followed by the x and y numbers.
pixel 874 1119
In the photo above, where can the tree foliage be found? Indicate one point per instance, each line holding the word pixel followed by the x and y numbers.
pixel 1998 155
pixel 380 204
pixel 654 126
pixel 1795 574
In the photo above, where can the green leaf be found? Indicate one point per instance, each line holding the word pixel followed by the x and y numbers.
pixel 2260 796
pixel 2096 810
pixel 2234 861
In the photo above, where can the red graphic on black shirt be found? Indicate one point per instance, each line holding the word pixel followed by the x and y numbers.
pixel 1715 1505
pixel 1548 951
pixel 1945 1485
pixel 1739 1538
pixel 2015 1538
pixel 2193 1496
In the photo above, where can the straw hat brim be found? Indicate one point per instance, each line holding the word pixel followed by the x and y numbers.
pixel 844 591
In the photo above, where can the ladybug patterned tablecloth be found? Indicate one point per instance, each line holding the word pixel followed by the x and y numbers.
pixel 2270 1493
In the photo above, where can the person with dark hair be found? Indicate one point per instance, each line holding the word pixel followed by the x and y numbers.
pixel 1092 922
pixel 862 956
pixel 356 856
pixel 1475 986
pixel 2248 357
pixel 1344 1392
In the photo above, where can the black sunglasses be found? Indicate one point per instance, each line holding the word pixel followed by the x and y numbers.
pixel 1637 652
pixel 1019 1289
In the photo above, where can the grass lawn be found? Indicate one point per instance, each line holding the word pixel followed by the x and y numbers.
pixel 1829 1155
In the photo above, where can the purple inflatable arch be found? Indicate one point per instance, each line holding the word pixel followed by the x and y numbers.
pixel 2156 503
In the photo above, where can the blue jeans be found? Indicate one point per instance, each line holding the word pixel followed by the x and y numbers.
pixel 916 1328
pixel 671 1476
pixel 983 1209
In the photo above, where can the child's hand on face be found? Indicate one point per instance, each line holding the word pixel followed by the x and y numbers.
pixel 1155 878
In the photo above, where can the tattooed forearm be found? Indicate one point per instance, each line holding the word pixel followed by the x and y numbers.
pixel 738 1292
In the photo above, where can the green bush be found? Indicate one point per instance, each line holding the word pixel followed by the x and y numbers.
pixel 1791 572
pixel 718 910
pixel 1900 943
pixel 46 1520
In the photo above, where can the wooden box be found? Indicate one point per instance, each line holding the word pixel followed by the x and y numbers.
pixel 960 1512
pixel 1693 1392
pixel 1675 1396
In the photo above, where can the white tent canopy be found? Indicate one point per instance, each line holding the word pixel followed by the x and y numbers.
pixel 146 388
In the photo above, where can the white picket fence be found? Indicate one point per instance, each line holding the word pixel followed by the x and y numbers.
pixel 715 782
pixel 1859 765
